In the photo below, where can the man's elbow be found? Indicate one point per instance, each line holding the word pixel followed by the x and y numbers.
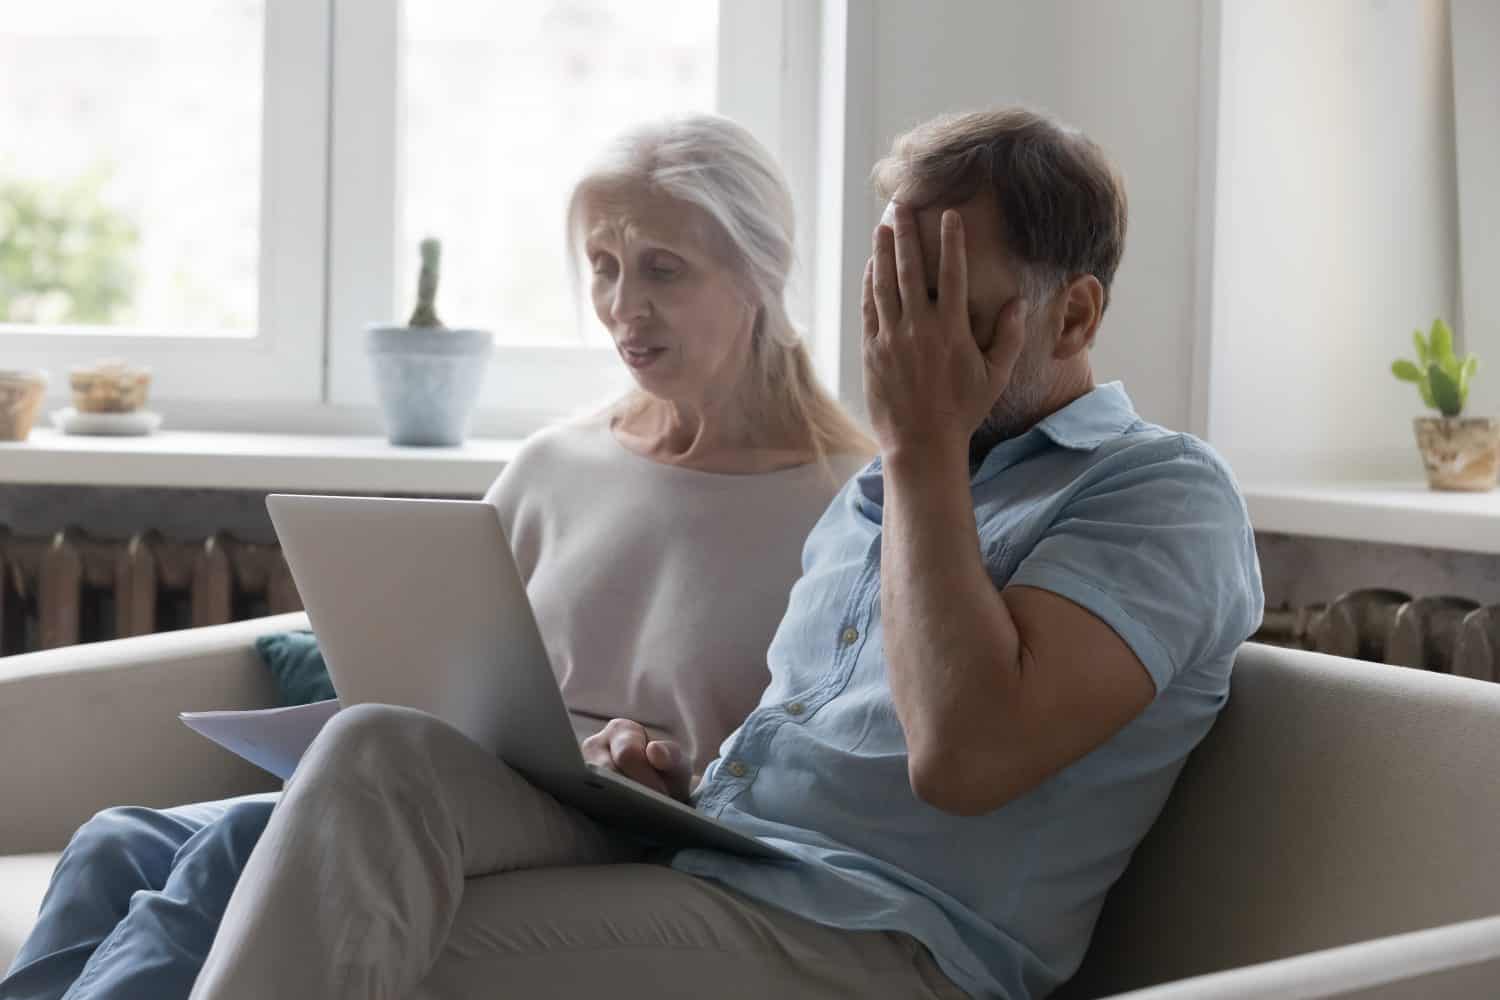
pixel 958 783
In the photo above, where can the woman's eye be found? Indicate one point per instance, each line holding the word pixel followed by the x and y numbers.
pixel 602 264
pixel 663 267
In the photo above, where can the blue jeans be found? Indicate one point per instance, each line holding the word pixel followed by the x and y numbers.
pixel 135 901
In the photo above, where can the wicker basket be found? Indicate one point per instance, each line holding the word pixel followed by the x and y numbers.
pixel 109 387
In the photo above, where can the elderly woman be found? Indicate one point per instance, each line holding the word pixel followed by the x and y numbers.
pixel 627 526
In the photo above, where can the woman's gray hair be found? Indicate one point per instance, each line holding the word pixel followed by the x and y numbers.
pixel 716 165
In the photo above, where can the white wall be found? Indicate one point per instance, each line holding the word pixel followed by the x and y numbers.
pixel 1334 232
pixel 1130 81
pixel 1476 85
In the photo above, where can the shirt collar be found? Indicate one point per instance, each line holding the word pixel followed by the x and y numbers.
pixel 1083 425
pixel 1091 419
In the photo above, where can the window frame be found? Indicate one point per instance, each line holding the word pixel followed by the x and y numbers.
pixel 281 360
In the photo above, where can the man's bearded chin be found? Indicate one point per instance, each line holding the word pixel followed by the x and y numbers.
pixel 1019 406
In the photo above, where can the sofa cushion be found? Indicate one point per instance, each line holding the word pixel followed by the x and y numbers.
pixel 1334 801
pixel 296 664
pixel 23 883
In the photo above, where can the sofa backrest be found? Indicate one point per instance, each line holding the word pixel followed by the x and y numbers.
pixel 1334 801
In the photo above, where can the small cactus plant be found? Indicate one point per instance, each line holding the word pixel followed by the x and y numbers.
pixel 1441 378
pixel 425 316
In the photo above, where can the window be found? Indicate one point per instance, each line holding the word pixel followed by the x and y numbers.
pixel 469 121
pixel 231 191
pixel 161 191
pixel 102 228
pixel 500 109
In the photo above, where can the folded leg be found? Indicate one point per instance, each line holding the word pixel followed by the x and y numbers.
pixel 647 931
pixel 156 951
pixel 356 882
pixel 115 855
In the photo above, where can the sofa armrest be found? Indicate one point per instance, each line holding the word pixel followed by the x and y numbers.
pixel 1452 962
pixel 90 726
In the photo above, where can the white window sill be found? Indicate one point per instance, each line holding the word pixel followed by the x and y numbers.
pixel 1401 512
pixel 302 463
pixel 1392 511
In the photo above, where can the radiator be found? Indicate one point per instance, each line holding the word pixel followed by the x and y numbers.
pixel 1442 632
pixel 72 588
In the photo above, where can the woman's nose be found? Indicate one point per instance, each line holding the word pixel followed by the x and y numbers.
pixel 630 301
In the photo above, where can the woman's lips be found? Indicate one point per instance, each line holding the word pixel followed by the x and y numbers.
pixel 641 357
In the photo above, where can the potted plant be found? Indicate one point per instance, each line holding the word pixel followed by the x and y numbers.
pixel 1460 453
pixel 427 375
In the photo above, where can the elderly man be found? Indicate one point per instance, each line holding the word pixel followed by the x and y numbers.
pixel 1011 630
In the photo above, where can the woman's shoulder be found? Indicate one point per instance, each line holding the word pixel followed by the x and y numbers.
pixel 829 473
pixel 566 442
pixel 811 484
pixel 553 454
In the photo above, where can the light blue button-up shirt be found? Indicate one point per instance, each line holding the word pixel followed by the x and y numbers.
pixel 1141 526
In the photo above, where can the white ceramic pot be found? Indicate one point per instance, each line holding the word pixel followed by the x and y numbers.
pixel 428 380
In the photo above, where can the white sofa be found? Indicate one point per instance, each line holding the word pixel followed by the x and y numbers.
pixel 1335 835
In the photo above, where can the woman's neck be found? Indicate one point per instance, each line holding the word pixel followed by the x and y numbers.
pixel 717 437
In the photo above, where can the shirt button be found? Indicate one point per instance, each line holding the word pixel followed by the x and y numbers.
pixel 736 768
pixel 795 708
pixel 850 636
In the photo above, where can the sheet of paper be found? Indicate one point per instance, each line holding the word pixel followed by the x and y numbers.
pixel 269 738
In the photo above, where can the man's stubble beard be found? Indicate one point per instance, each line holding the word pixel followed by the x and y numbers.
pixel 1020 405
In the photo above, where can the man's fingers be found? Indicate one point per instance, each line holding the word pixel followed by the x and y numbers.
pixel 883 280
pixel 953 269
pixel 1008 340
pixel 867 300
pixel 911 274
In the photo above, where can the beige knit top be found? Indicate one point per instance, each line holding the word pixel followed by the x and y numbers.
pixel 657 588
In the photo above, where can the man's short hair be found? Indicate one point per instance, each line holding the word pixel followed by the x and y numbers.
pixel 1062 204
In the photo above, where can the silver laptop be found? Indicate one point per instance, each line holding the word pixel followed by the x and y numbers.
pixel 419 603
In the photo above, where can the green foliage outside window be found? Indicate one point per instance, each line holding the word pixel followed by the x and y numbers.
pixel 65 255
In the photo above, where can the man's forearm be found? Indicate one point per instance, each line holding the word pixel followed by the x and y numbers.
pixel 951 646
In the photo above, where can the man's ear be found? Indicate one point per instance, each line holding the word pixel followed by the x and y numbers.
pixel 1082 308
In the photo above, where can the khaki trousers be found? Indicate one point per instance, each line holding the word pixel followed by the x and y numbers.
pixel 404 861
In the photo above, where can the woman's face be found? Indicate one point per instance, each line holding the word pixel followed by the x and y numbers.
pixel 680 319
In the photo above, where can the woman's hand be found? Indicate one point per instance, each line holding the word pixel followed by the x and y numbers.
pixel 930 378
pixel 626 747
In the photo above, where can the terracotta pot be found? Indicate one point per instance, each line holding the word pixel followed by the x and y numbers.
pixel 1460 453
pixel 21 395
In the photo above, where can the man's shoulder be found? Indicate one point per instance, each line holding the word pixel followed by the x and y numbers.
pixel 1149 450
